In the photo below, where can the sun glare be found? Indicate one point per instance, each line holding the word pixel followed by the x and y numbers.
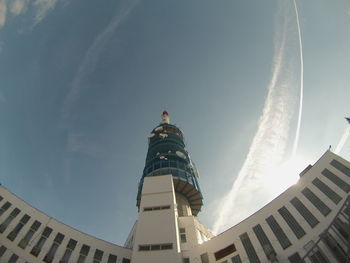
pixel 284 175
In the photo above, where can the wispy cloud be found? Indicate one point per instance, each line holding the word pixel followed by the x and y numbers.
pixel 3 12
pixel 18 7
pixel 252 188
pixel 92 55
pixel 43 7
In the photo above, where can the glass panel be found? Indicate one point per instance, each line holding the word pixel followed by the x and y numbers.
pixel 25 240
pixel 249 248
pixel 295 258
pixel 236 259
pixel 69 249
pixel 13 234
pixel 166 246
pixel 4 207
pixel 292 222
pixel 205 258
pixel 112 259
pixel 2 250
pixel 304 212
pixel 37 248
pixel 333 196
pixel 341 167
pixel 98 256
pixel 9 219
pixel 336 180
pixel 264 242
pixel 224 252
pixel 13 258
pixel 52 251
pixel 322 207
pixel 278 232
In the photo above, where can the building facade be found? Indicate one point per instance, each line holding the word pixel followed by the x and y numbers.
pixel 309 222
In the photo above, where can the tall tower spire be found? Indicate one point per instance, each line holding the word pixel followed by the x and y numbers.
pixel 167 155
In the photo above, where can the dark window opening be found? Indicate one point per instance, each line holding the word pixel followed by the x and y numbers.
pixel 225 252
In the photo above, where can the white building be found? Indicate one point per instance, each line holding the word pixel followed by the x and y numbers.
pixel 309 222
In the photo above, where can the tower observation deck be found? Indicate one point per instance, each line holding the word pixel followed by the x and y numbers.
pixel 167 155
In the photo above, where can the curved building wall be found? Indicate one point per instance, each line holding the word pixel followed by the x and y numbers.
pixel 290 227
pixel 310 221
pixel 28 235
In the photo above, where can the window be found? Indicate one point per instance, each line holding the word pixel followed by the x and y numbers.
pixel 205 258
pixel 69 249
pixel 341 167
pixel 225 252
pixel 335 247
pixel 236 259
pixel 84 251
pixel 144 247
pixel 4 207
pixel 56 242
pixel 186 260
pixel 295 258
pixel 333 196
pixel 166 246
pixel 13 234
pixel 156 208
pixel 249 248
pixel 9 219
pixel 155 247
pixel 98 256
pixel 2 250
pixel 304 212
pixel 278 232
pixel 13 258
pixel 322 207
pixel 112 259
pixel 292 222
pixel 37 248
pixel 25 240
pixel 264 242
pixel 126 260
pixel 183 235
pixel 317 256
pixel 336 180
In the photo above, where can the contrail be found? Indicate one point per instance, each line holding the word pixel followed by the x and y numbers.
pixel 296 139
pixel 92 55
pixel 252 188
pixel 342 140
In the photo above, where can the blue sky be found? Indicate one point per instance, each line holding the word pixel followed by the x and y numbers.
pixel 82 83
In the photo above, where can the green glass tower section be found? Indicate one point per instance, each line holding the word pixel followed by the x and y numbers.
pixel 167 155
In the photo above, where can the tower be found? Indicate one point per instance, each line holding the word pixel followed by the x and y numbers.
pixel 168 199
pixel 167 155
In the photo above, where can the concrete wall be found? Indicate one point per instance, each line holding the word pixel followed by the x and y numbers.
pixel 57 227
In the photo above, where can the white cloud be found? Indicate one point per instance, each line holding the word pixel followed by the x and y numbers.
pixel 43 7
pixel 18 7
pixel 3 11
pixel 258 180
